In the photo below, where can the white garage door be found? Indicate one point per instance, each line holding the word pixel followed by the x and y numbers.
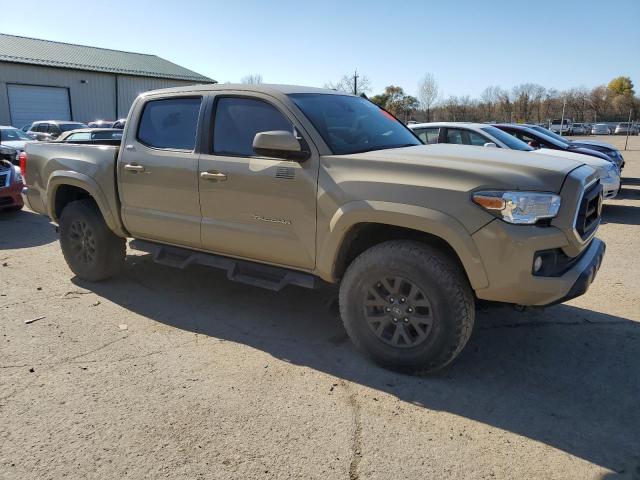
pixel 28 103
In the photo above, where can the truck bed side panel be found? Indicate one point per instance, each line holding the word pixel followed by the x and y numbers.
pixel 92 168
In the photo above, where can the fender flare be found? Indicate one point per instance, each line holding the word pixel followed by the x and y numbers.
pixel 86 183
pixel 417 218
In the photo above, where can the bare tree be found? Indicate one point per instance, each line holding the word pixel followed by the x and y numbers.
pixel 252 79
pixel 355 83
pixel 428 91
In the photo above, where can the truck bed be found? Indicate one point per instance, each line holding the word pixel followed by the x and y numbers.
pixel 49 163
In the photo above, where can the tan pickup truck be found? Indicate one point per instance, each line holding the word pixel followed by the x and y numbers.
pixel 291 185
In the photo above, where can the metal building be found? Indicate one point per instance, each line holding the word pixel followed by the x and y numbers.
pixel 45 80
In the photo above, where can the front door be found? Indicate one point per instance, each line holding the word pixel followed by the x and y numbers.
pixel 158 172
pixel 256 207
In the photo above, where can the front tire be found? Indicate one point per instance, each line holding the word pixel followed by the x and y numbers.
pixel 92 251
pixel 407 305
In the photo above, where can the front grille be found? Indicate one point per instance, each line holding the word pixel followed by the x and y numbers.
pixel 589 211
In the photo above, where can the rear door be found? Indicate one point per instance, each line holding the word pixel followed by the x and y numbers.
pixel 158 171
pixel 256 207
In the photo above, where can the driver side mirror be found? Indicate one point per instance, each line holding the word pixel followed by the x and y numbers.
pixel 279 144
pixel 491 145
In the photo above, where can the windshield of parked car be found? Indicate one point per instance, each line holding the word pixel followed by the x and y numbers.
pixel 551 134
pixel 509 140
pixel 353 124
pixel 65 127
pixel 13 134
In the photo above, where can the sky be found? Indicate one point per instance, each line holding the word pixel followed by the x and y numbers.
pixel 465 45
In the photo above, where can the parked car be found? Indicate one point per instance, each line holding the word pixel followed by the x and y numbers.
pixel 92 135
pixel 26 129
pixel 536 139
pixel 120 123
pixel 287 185
pixel 561 126
pixel 609 150
pixel 100 124
pixel 10 186
pixel 14 138
pixel 600 129
pixel 578 129
pixel 625 128
pixel 479 134
pixel 8 153
pixel 51 129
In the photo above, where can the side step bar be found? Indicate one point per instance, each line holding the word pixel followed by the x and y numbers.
pixel 256 274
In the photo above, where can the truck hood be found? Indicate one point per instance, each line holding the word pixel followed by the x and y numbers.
pixel 465 167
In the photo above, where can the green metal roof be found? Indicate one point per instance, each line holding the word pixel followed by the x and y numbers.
pixel 67 55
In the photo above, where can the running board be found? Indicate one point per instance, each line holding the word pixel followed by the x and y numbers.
pixel 256 274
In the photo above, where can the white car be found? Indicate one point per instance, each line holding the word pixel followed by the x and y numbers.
pixel 481 135
pixel 561 126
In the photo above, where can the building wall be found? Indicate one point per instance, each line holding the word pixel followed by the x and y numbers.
pixel 95 98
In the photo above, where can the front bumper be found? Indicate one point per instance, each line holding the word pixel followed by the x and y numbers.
pixel 508 251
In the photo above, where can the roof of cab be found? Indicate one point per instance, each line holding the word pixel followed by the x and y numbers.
pixel 269 89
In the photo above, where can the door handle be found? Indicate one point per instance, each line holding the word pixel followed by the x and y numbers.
pixel 134 168
pixel 213 176
pixel 129 147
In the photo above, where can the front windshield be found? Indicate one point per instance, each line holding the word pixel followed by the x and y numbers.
pixel 551 134
pixel 12 135
pixel 65 127
pixel 353 124
pixel 509 140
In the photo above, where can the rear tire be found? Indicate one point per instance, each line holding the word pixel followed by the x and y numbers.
pixel 92 251
pixel 407 305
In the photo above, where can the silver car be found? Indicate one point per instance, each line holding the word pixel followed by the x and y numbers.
pixel 578 129
pixel 625 128
pixel 600 129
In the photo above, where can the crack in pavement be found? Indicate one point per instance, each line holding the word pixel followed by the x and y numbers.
pixel 356 439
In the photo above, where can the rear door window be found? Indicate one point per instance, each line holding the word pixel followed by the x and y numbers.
pixel 238 120
pixel 465 137
pixel 170 123
pixel 428 135
pixel 455 136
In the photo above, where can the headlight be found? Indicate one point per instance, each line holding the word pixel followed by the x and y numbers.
pixel 608 171
pixel 524 208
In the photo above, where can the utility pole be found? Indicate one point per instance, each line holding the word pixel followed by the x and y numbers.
pixel 564 103
pixel 355 82
pixel 628 130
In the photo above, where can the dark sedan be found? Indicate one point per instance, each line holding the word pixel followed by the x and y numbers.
pixel 538 139
pixel 609 150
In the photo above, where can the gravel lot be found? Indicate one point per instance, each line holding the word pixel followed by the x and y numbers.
pixel 164 373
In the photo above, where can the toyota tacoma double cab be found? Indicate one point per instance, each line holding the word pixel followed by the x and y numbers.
pixel 285 185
